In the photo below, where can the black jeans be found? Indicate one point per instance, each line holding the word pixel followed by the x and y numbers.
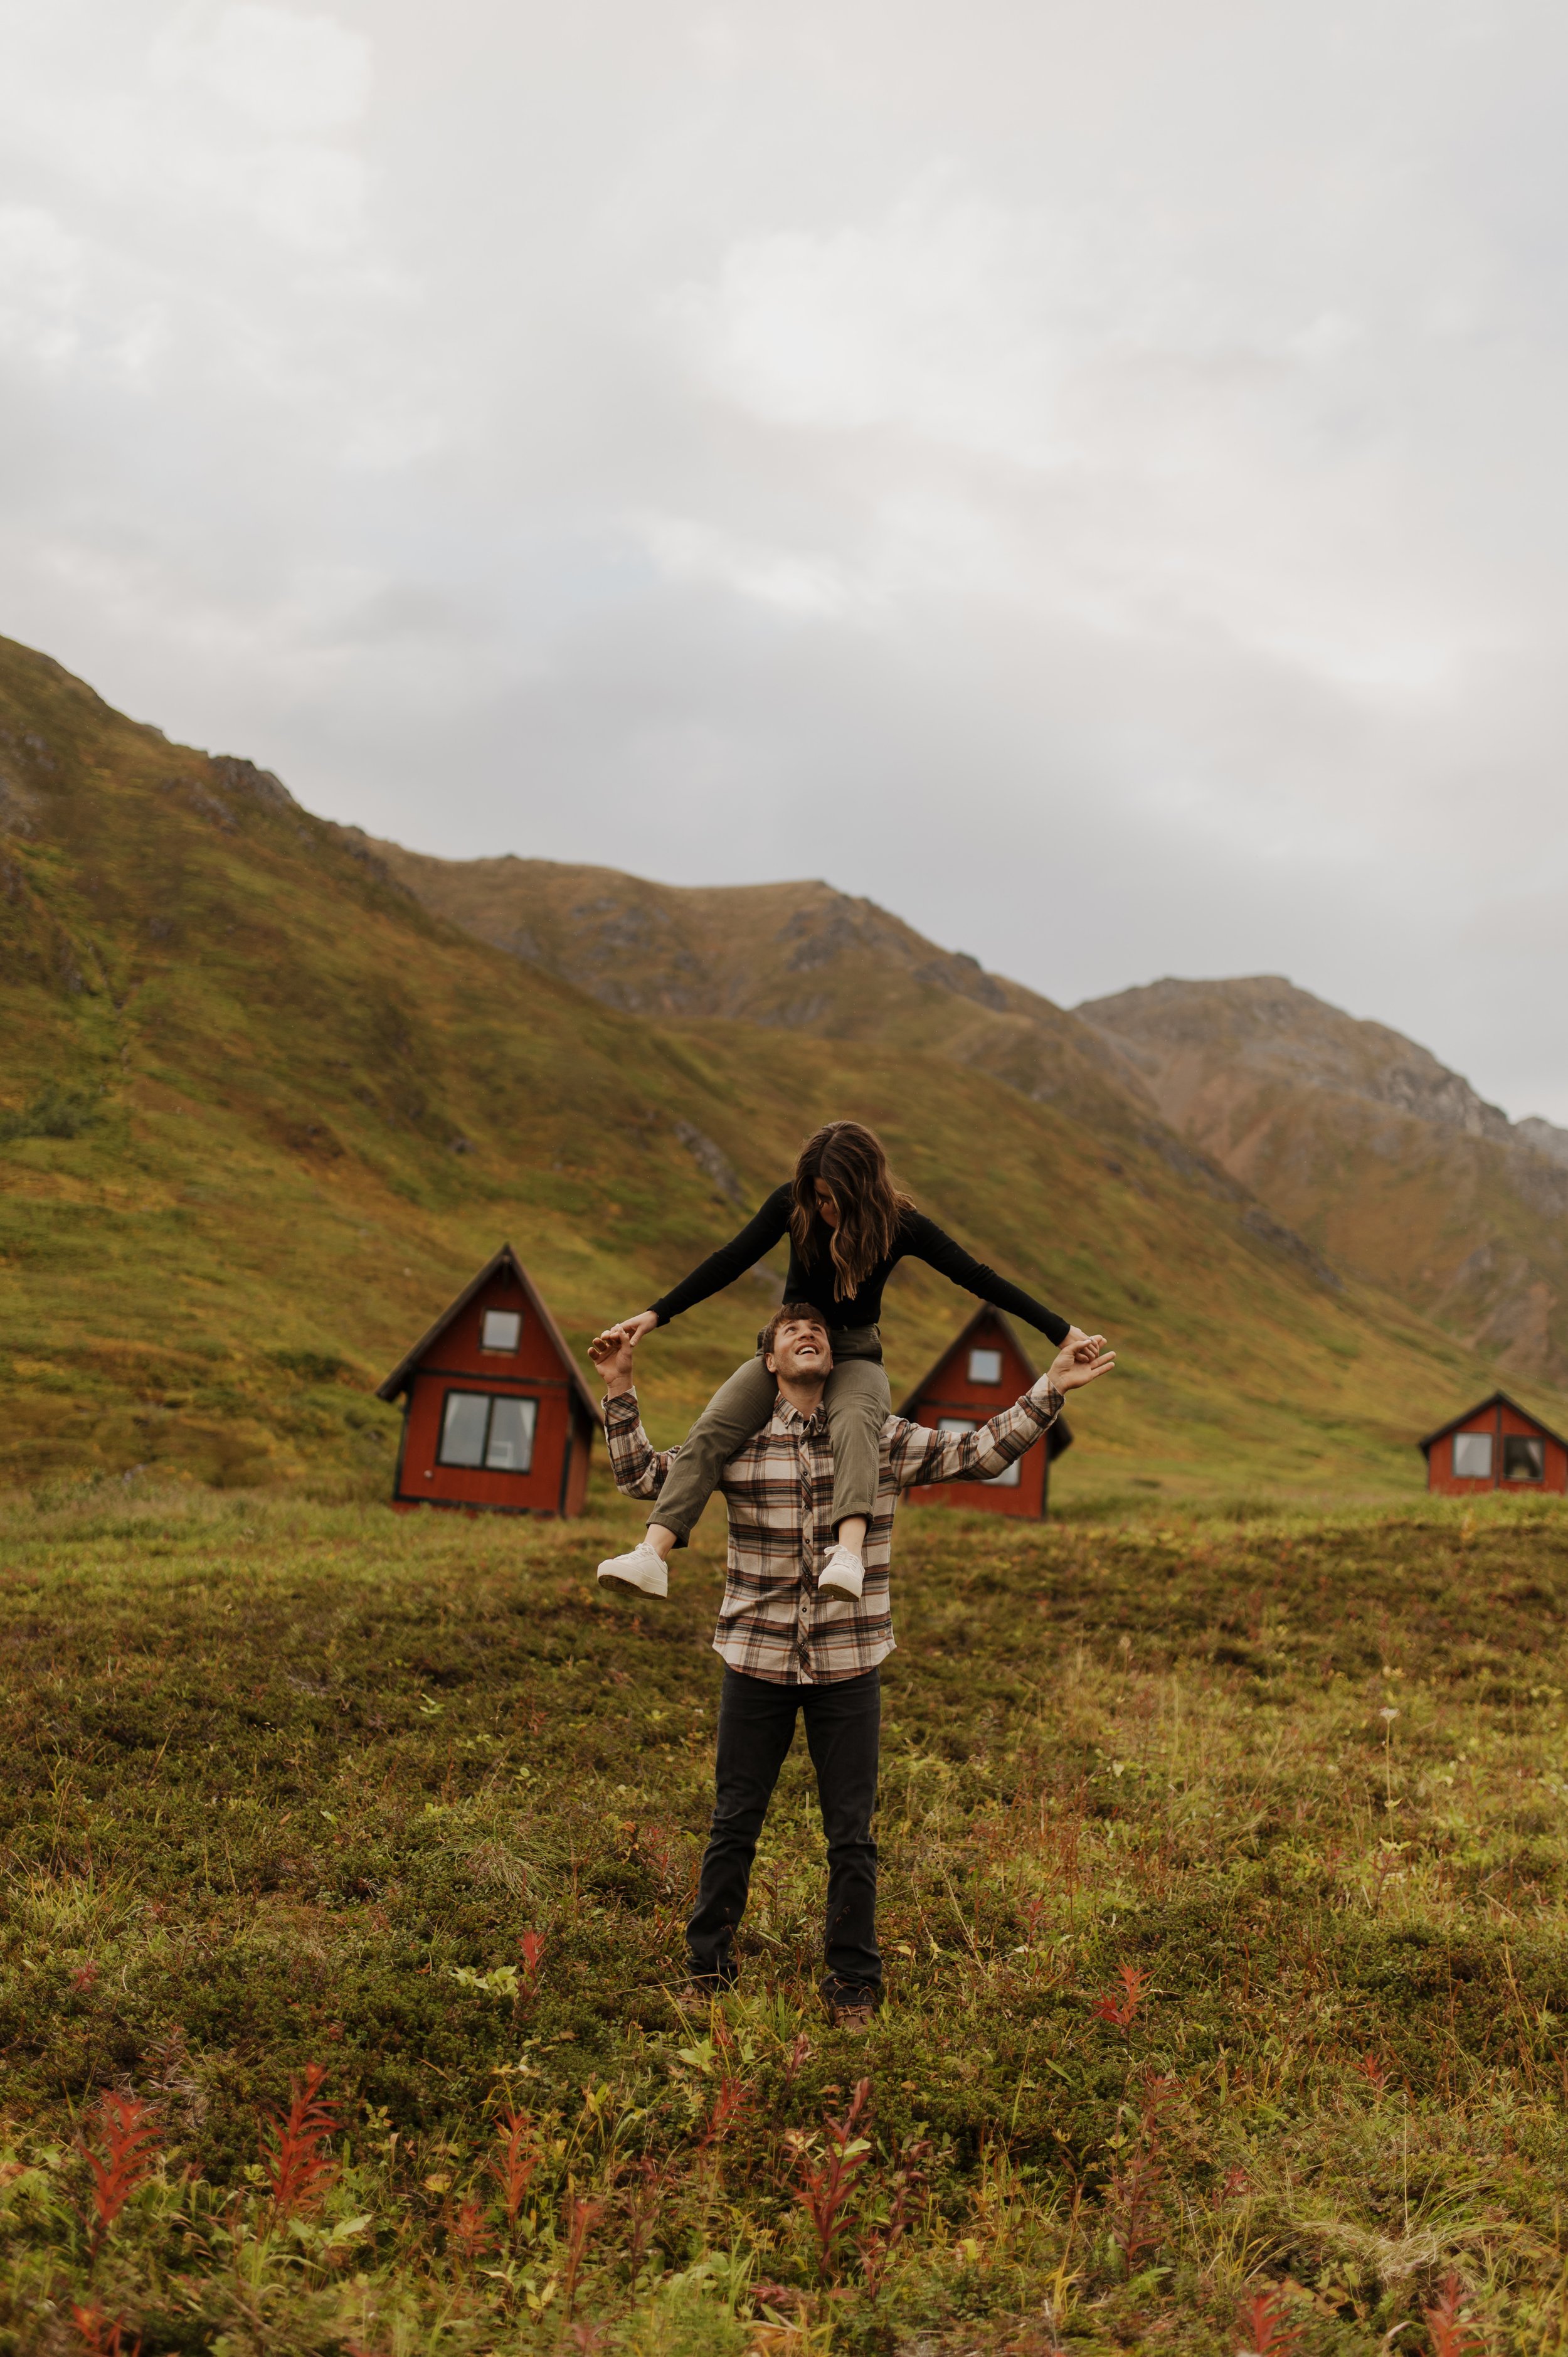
pixel 757 1726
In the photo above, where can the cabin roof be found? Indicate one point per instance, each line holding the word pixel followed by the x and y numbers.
pixel 507 1259
pixel 1493 1399
pixel 1059 1437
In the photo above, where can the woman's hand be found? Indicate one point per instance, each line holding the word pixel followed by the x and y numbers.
pixel 632 1330
pixel 1082 1358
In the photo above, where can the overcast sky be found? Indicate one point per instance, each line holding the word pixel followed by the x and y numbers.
pixel 1090 474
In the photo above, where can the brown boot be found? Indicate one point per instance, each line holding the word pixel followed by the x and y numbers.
pixel 853 2012
pixel 696 1997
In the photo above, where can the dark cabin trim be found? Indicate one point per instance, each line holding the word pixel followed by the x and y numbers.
pixel 1493 1399
pixel 410 1365
pixel 566 1464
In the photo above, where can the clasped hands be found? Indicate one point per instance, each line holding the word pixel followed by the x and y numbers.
pixel 1082 1358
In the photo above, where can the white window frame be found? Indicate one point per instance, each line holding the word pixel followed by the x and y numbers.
pixel 994 1357
pixel 502 1350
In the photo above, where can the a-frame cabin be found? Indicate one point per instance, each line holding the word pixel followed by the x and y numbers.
pixel 982 1369
pixel 1496 1445
pixel 497 1417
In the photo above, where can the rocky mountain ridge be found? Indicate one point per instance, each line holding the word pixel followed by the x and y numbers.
pixel 1389 1162
pixel 794 957
pixel 1340 1140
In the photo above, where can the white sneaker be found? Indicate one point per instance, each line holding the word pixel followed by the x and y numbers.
pixel 844 1571
pixel 643 1567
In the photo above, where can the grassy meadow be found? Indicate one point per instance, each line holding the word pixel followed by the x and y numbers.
pixel 346 1856
pixel 1225 1912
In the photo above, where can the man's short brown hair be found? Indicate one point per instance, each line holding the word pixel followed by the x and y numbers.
pixel 791 1313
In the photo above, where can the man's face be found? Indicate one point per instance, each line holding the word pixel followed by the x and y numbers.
pixel 800 1350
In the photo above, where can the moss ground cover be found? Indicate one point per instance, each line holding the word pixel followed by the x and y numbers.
pixel 1225 1915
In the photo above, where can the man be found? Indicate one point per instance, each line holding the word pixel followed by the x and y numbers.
pixel 790 1646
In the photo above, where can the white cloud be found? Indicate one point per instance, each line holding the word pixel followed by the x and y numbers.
pixel 947 318
pixel 40 284
pixel 792 581
pixel 1088 476
pixel 285 71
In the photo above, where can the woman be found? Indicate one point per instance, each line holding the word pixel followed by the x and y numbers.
pixel 849 1227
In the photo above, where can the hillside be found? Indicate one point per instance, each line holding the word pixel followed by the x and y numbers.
pixel 262 1111
pixel 792 957
pixel 1383 1161
pixel 1389 1163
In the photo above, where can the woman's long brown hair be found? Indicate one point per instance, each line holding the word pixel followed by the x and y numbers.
pixel 849 1160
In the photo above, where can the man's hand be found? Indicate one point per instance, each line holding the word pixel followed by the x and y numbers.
pixel 611 1353
pixel 1082 1358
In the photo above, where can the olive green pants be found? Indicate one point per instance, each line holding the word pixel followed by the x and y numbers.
pixel 858 1403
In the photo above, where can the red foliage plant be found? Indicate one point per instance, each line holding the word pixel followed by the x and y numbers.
pixel 99 2338
pixel 826 2186
pixel 125 2128
pixel 643 2202
pixel 875 2248
pixel 585 2217
pixel 469 2230
pixel 513 2167
pixel 800 2054
pixel 532 1945
pixel 732 2097
pixel 300 2173
pixel 1450 2335
pixel 1121 2012
pixel 1266 2329
pixel 1134 2190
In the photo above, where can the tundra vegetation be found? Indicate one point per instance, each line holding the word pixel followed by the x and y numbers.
pixel 346 1856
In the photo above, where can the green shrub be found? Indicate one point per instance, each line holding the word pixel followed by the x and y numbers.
pixel 57 1111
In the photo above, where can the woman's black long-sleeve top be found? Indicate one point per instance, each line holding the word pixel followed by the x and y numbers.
pixel 918 1239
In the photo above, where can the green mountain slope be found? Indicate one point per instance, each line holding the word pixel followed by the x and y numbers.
pixel 261 1112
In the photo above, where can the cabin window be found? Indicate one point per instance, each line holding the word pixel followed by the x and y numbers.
pixel 502 1330
pixel 1524 1460
pixel 463 1428
pixel 477 1429
pixel 509 1448
pixel 1472 1456
pixel 985 1366
pixel 1008 1478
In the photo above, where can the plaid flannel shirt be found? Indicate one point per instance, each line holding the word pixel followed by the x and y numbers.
pixel 774 1622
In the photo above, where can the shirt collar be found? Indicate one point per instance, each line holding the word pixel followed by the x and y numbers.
pixel 788 1414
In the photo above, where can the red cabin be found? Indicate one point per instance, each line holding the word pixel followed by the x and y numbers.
pixel 981 1371
pixel 1496 1446
pixel 496 1418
